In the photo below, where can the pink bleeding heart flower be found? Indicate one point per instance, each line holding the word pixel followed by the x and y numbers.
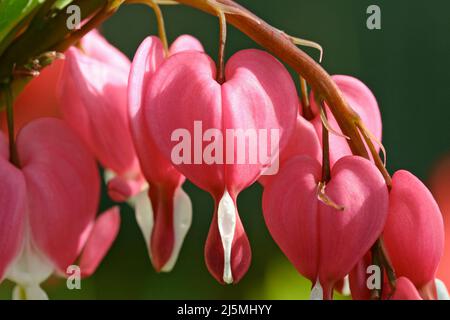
pixel 405 291
pixel 324 244
pixel 202 130
pixel 166 218
pixel 93 99
pixel 361 100
pixel 303 142
pixel 48 205
pixel 440 187
pixel 38 98
pixel 414 232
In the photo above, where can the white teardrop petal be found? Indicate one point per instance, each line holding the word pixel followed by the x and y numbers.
pixel 227 226
pixel 19 293
pixel 182 220
pixel 317 292
pixel 33 292
pixel 442 292
pixel 346 288
pixel 31 267
pixel 144 214
pixel 108 175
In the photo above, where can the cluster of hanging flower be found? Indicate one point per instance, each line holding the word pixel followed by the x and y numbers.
pixel 124 114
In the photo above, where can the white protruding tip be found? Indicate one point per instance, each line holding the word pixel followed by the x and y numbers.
pixel 32 292
pixel 182 220
pixel 144 214
pixel 227 225
pixel 182 211
pixel 346 288
pixel 441 289
pixel 317 291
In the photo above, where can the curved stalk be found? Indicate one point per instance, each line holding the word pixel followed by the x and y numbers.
pixel 154 4
pixel 13 157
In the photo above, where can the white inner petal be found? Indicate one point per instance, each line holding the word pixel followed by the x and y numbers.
pixel 346 288
pixel 227 227
pixel 144 214
pixel 108 175
pixel 317 291
pixel 442 292
pixel 29 270
pixel 182 210
pixel 33 292
pixel 30 266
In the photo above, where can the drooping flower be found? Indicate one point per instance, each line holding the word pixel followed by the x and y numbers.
pixel 93 101
pixel 49 202
pixel 323 243
pixel 166 219
pixel 414 232
pixel 362 101
pixel 197 130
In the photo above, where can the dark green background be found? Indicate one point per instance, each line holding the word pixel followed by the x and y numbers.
pixel 406 64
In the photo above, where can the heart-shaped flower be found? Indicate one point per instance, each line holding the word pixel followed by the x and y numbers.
pixel 324 243
pixel 222 137
pixel 166 218
pixel 49 204
pixel 93 101
pixel 414 232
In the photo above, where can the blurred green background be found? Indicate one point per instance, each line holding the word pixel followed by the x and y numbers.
pixel 407 66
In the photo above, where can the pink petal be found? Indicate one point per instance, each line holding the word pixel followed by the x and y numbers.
pixel 346 236
pixel 63 188
pixel 162 177
pixel 358 279
pixel 121 189
pixel 414 233
pixel 325 244
pixel 285 211
pixel 405 290
pixel 360 99
pixel 304 141
pixel 239 252
pixel 259 94
pixel 185 43
pixel 13 208
pixel 98 48
pixel 4 146
pixel 93 100
pixel 101 238
pixel 163 237
pixel 149 56
pixel 199 98
pixel 229 106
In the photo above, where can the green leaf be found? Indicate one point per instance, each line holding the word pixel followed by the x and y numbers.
pixel 13 12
